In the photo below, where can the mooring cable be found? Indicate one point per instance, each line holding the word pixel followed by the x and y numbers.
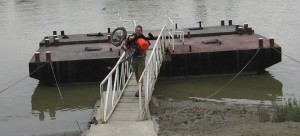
pixel 182 109
pixel 56 81
pixel 23 78
pixel 287 55
pixel 220 89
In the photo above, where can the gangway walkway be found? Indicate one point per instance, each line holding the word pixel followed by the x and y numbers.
pixel 120 112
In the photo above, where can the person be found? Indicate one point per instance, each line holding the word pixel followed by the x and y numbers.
pixel 138 59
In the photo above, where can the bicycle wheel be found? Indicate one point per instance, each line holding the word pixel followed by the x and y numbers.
pixel 118 36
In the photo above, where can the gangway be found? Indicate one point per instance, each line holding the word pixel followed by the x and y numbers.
pixel 120 112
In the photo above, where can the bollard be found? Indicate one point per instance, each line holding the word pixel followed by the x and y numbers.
pixel 62 32
pixel 119 53
pixel 240 30
pixel 245 26
pixel 236 27
pixel 249 30
pixel 190 48
pixel 108 30
pixel 189 34
pixel 230 22
pixel 108 39
pixel 37 57
pixel 56 41
pixel 222 23
pixel 54 33
pixel 176 27
pixel 47 42
pixel 200 24
pixel 260 42
pixel 271 41
pixel 48 56
pixel 54 36
pixel 110 49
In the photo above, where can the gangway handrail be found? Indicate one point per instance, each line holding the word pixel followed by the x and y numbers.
pixel 175 27
pixel 115 83
pixel 150 73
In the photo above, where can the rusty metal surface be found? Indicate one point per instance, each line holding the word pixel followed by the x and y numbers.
pixel 77 52
pixel 228 43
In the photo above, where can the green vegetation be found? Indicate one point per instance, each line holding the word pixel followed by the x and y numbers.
pixel 288 111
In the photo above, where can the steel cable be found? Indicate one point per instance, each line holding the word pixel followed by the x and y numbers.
pixel 56 81
pixel 220 89
pixel 23 78
pixel 287 56
pixel 177 111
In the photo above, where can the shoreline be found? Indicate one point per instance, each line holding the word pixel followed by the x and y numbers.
pixel 194 117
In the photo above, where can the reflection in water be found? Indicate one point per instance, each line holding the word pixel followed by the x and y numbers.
pixel 251 87
pixel 76 97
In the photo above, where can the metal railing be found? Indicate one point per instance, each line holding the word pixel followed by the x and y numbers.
pixel 114 84
pixel 174 27
pixel 116 81
pixel 148 77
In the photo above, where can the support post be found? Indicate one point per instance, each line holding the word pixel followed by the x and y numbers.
pixel 37 57
pixel 62 32
pixel 56 41
pixel 48 56
pixel 200 24
pixel 230 22
pixel 222 23
pixel 47 42
pixel 189 34
pixel 260 42
pixel 271 41
pixel 108 39
pixel 245 26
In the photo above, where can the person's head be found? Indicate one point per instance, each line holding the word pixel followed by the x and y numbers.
pixel 138 30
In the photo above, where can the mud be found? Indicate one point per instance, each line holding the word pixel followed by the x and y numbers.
pixel 198 117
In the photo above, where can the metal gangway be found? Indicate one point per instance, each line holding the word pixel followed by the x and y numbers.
pixel 120 112
pixel 120 85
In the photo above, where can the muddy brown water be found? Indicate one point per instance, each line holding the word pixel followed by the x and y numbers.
pixel 29 108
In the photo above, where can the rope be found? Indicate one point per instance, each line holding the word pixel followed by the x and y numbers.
pixel 217 90
pixel 287 56
pixel 56 81
pixel 23 78
pixel 234 76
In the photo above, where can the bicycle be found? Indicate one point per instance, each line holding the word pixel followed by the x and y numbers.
pixel 118 39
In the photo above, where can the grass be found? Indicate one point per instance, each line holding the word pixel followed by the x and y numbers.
pixel 288 111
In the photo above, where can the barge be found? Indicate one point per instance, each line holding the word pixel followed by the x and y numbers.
pixel 212 50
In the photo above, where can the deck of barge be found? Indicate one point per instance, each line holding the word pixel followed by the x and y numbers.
pixel 72 62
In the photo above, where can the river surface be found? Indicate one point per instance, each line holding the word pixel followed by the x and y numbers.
pixel 28 108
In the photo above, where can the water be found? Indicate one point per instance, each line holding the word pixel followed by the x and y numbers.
pixel 32 109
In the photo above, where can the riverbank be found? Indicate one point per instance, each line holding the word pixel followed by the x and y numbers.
pixel 74 133
pixel 198 117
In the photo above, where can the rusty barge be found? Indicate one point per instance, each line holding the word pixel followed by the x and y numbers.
pixel 224 49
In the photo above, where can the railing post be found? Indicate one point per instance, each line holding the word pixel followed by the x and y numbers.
pixel 140 99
